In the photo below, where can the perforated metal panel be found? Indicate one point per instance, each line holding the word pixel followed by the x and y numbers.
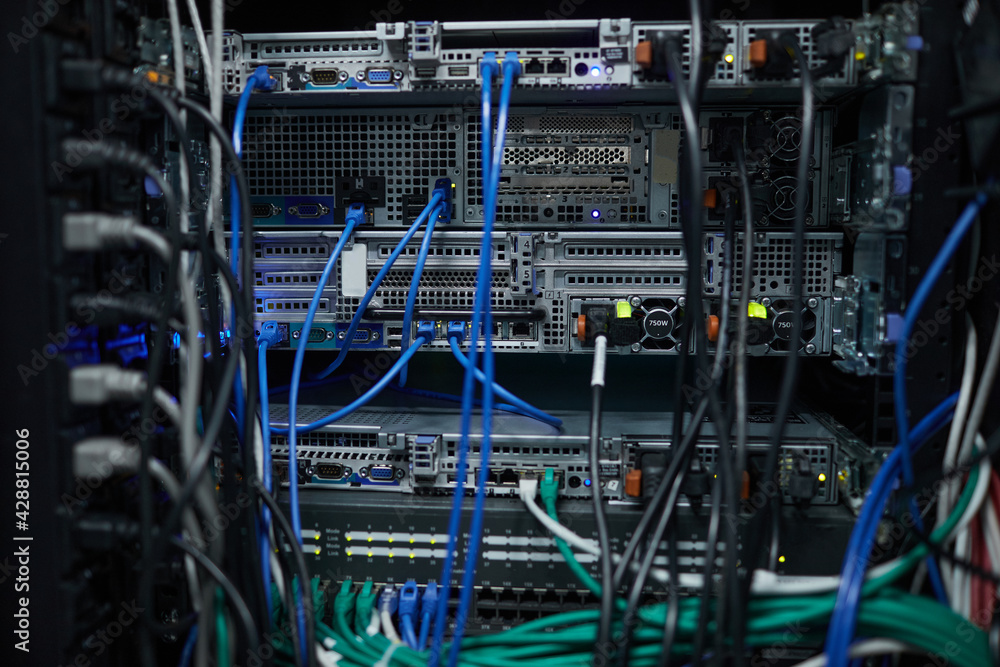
pixel 554 329
pixel 585 124
pixel 437 279
pixel 773 267
pixel 554 155
pixel 311 413
pixel 291 153
pixel 560 168
pixel 290 305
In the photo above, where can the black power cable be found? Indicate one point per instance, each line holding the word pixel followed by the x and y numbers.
pixel 761 519
pixel 131 159
pixel 300 566
pixel 608 589
pixel 235 599
pixel 250 581
pixel 673 606
pixel 722 485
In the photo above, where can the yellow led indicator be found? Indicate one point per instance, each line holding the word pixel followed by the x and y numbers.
pixel 729 58
pixel 390 540
pixel 369 554
pixel 859 55
pixel 349 538
pixel 412 540
pixel 391 555
pixel 433 541
pixel 350 553
pixel 757 310
pixel 316 537
pixel 318 551
pixel 781 559
pixel 369 538
pixel 623 309
pixel 822 477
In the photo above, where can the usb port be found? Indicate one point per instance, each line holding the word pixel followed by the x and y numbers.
pixel 458 71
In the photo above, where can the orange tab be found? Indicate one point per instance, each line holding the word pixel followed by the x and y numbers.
pixel 713 328
pixel 711 199
pixel 633 483
pixel 758 52
pixel 644 54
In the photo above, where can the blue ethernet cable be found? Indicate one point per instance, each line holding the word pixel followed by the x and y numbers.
pixel 268 336
pixel 354 217
pixel 359 314
pixel 488 68
pixel 408 598
pixel 511 70
pixel 188 651
pixel 456 335
pixel 260 79
pixel 920 296
pixel 844 617
pixel 425 334
pixel 442 214
pixel 454 398
pixel 913 308
pixel 428 603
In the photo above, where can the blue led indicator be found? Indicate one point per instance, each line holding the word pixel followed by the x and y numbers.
pixel 595 71
pixel 595 214
pixel 586 482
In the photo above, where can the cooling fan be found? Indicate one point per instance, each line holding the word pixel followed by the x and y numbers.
pixel 774 330
pixel 661 323
pixel 775 196
pixel 773 137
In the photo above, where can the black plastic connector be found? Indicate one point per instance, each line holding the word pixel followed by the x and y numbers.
pixel 832 40
pixel 596 322
pixel 696 484
pixel 802 482
pixel 653 466
pixel 780 64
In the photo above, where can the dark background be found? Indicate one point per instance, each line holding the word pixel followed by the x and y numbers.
pixel 316 15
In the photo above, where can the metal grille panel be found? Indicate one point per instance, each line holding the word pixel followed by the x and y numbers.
pixel 438 279
pixel 772 270
pixel 303 154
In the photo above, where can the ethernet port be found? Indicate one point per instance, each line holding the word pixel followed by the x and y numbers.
pixel 534 66
pixel 520 330
pixel 507 615
pixel 508 477
pixel 557 66
pixel 508 598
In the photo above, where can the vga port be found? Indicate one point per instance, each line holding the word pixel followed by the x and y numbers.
pixel 380 75
pixel 381 473
pixel 324 77
pixel 308 210
pixel 264 210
